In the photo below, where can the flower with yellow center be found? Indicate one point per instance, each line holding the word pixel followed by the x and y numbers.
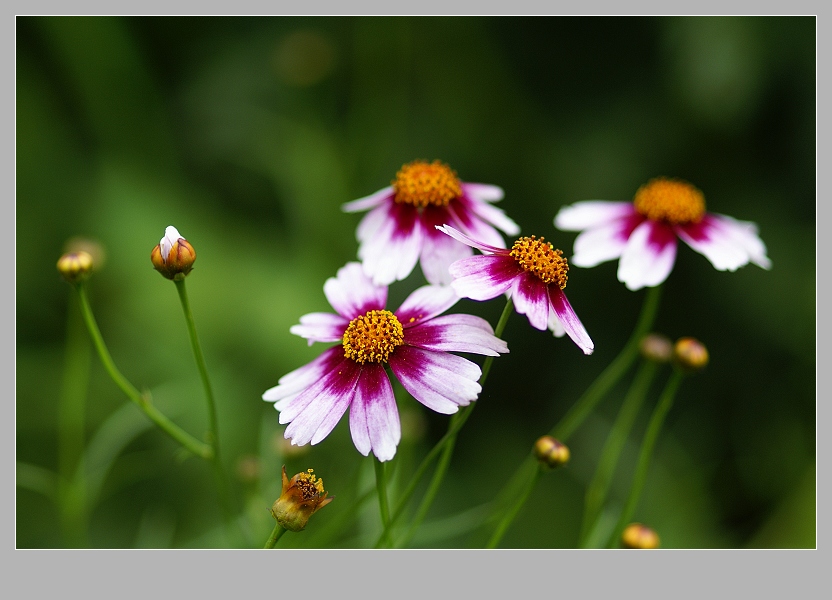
pixel 532 272
pixel 643 233
pixel 399 230
pixel 414 341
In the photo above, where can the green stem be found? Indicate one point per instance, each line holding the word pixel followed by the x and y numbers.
pixel 72 495
pixel 578 413
pixel 598 488
pixel 650 436
pixel 141 400
pixel 614 371
pixel 222 481
pixel 381 487
pixel 445 445
pixel 512 513
pixel 277 533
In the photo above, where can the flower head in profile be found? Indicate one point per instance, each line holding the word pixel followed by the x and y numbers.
pixel 414 341
pixel 534 275
pixel 173 256
pixel 643 233
pixel 301 497
pixel 399 230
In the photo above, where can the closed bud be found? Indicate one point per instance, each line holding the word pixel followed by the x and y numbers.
pixel 173 256
pixel 550 452
pixel 656 347
pixel 639 536
pixel 690 355
pixel 302 496
pixel 75 266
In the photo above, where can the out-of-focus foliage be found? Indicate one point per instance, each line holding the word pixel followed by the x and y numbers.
pixel 248 134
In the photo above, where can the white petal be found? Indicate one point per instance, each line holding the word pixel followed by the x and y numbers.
pixel 458 235
pixel 483 191
pixel 453 333
pixel 367 202
pixel 374 417
pixel 351 293
pixel 439 252
pixel 321 327
pixel 531 298
pixel 301 378
pixel 569 320
pixel 425 303
pixel 648 256
pixel 393 250
pixel 600 244
pixel 591 213
pixel 726 242
pixel 484 277
pixel 440 381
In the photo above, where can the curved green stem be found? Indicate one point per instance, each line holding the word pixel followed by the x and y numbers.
pixel 222 481
pixel 614 371
pixel 511 514
pixel 650 436
pixel 596 493
pixel 577 414
pixel 141 400
pixel 277 533
pixel 445 445
pixel 381 488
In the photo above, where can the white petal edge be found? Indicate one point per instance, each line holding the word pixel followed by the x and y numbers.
pixel 642 264
pixel 591 213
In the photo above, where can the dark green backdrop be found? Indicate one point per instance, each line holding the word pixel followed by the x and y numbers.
pixel 249 133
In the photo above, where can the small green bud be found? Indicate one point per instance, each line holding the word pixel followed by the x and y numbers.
pixel 639 536
pixel 656 347
pixel 550 452
pixel 173 256
pixel 690 355
pixel 75 266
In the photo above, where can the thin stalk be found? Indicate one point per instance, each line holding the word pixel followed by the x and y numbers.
pixel 650 436
pixel 381 488
pixel 614 371
pixel 222 481
pixel 445 445
pixel 72 494
pixel 598 488
pixel 512 513
pixel 579 412
pixel 143 401
pixel 277 533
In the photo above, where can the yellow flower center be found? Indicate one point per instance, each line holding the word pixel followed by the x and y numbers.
pixel 421 183
pixel 542 259
pixel 309 485
pixel 670 200
pixel 373 336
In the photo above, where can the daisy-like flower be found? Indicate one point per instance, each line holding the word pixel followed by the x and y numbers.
pixel 414 341
pixel 400 229
pixel 643 233
pixel 534 275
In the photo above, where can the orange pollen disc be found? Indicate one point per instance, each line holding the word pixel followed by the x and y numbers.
pixel 541 259
pixel 372 337
pixel 421 183
pixel 670 200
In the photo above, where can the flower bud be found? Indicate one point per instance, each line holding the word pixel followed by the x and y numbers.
pixel 639 536
pixel 550 452
pixel 656 347
pixel 302 496
pixel 690 355
pixel 173 256
pixel 75 266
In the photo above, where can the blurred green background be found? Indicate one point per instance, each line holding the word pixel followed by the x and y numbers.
pixel 248 134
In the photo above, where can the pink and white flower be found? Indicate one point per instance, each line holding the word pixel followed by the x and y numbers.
pixel 533 273
pixel 399 230
pixel 414 341
pixel 643 233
